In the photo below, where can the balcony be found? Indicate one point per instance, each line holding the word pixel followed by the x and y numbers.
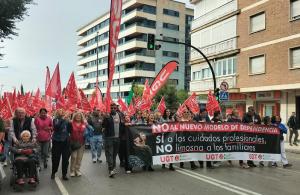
pixel 215 14
pixel 214 49
pixel 208 84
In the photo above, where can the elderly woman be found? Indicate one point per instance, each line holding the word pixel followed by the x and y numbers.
pixel 77 129
pixel 25 158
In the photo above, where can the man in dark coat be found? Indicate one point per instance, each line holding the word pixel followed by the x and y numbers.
pixel 113 126
pixel 294 125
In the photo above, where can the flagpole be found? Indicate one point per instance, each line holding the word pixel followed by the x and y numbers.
pixel 119 78
pixel 97 84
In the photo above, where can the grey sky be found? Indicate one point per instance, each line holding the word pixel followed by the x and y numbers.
pixel 46 36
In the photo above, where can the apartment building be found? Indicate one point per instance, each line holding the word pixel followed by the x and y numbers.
pixel 265 54
pixel 214 32
pixel 167 19
pixel 269 59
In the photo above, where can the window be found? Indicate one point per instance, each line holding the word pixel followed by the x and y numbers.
pixel 258 22
pixel 295 57
pixel 170 54
pixel 295 9
pixel 171 26
pixel 170 39
pixel 257 64
pixel 171 12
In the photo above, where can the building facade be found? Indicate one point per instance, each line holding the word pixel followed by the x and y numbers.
pixel 214 32
pixel 267 62
pixel 269 59
pixel 166 19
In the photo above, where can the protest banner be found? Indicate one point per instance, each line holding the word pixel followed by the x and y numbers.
pixel 187 141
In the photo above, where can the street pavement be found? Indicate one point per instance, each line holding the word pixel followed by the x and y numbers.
pixel 224 180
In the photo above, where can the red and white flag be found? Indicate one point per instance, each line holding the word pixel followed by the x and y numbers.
pixel 212 104
pixel 162 77
pixel 71 91
pixel 5 110
pixel 192 104
pixel 85 105
pixel 54 87
pixel 181 109
pixel 162 106
pixel 146 100
pixel 123 106
pixel 114 29
pixel 131 109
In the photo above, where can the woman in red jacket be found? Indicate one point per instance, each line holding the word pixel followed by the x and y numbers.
pixel 77 128
pixel 44 129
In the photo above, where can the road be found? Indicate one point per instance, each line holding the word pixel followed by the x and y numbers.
pixel 224 180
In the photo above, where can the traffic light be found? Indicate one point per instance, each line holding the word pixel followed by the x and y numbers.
pixel 151 42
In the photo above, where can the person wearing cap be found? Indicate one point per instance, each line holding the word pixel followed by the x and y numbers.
pixel 25 157
pixel 113 128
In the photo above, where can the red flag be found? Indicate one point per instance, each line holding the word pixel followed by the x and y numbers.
pixel 37 94
pixel 5 110
pixel 212 104
pixel 162 77
pixel 131 109
pixel 60 103
pixel 192 104
pixel 137 102
pixel 54 87
pixel 146 101
pixel 47 98
pixel 162 106
pixel 85 105
pixel 114 29
pixel 123 106
pixel 96 100
pixel 181 109
pixel 71 90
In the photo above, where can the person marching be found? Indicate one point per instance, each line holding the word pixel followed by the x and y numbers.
pixel 77 130
pixel 95 120
pixel 251 118
pixel 44 128
pixel 60 144
pixel 113 126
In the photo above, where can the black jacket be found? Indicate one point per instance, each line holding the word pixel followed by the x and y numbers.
pixel 248 119
pixel 293 123
pixel 109 128
pixel 26 126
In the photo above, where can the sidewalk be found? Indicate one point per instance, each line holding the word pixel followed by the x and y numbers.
pixel 292 149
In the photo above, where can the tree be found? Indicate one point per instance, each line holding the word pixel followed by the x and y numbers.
pixel 169 92
pixel 182 95
pixel 138 90
pixel 11 11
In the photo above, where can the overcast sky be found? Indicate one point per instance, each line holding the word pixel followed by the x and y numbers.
pixel 46 36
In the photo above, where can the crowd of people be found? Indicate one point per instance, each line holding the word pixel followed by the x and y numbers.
pixel 65 135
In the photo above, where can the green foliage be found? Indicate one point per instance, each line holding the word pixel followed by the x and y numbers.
pixel 172 96
pixel 138 90
pixel 182 95
pixel 11 11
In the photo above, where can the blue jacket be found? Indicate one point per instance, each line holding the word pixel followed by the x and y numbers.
pixel 88 133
